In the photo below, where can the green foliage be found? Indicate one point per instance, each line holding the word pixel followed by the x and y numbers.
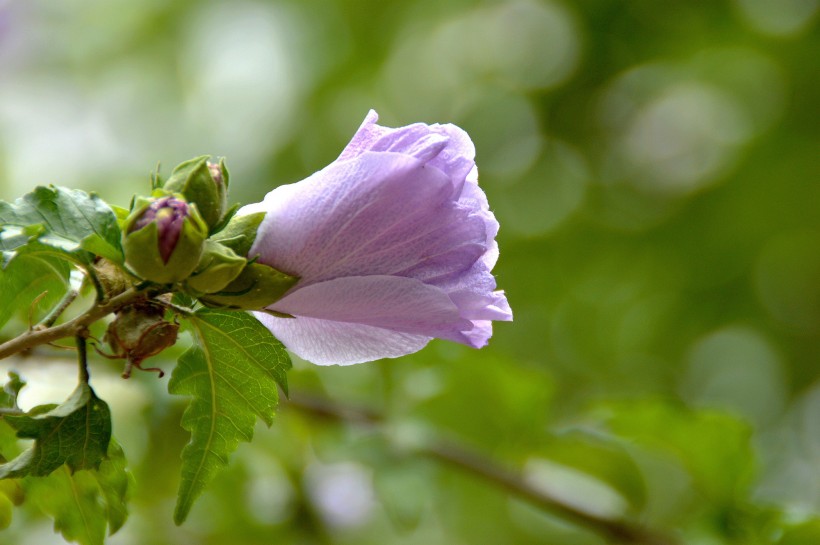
pixel 232 372
pixel 76 433
pixel 806 533
pixel 6 509
pixel 115 484
pixel 240 232
pixel 75 472
pixel 11 390
pixel 715 448
pixel 71 222
pixel 84 503
pixel 599 456
pixel 32 281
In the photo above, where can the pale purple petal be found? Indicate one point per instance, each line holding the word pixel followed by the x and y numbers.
pixel 382 213
pixel 482 306
pixel 326 342
pixel 446 147
pixel 390 302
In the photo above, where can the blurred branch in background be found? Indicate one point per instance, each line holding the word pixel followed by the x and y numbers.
pixel 464 459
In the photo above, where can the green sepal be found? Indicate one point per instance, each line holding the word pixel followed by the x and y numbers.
pixel 194 180
pixel 142 247
pixel 217 268
pixel 120 212
pixel 255 288
pixel 229 214
pixel 240 232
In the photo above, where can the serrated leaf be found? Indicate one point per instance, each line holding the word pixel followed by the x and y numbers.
pixel 232 373
pixel 28 277
pixel 68 216
pixel 76 432
pixel 85 502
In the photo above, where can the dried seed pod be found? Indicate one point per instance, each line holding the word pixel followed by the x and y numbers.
pixel 138 332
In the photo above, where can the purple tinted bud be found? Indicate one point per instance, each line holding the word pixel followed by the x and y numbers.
pixel 169 213
pixel 216 173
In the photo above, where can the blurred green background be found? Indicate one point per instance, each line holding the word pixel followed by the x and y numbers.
pixel 654 167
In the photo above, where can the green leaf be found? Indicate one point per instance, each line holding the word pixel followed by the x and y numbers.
pixel 69 217
pixel 402 491
pixel 8 396
pixel 715 448
pixel 8 442
pixel 76 433
pixel 28 277
pixel 115 485
pixel 602 458
pixel 73 501
pixel 6 509
pixel 232 372
pixel 85 502
pixel 11 238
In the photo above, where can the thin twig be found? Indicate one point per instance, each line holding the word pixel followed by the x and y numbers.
pixel 55 313
pixel 31 308
pixel 82 355
pixel 36 337
pixel 478 465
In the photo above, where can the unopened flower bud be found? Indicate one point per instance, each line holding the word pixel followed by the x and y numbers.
pixel 255 288
pixel 163 239
pixel 218 266
pixel 204 184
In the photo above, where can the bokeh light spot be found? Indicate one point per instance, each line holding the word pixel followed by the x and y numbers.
pixel 505 130
pixel 786 278
pixel 342 492
pixel 520 45
pixel 778 17
pixel 241 79
pixel 683 138
pixel 544 197
pixel 736 369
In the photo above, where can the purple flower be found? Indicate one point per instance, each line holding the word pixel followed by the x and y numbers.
pixel 393 243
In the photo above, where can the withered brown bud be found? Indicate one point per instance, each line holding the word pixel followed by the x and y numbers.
pixel 112 278
pixel 138 332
